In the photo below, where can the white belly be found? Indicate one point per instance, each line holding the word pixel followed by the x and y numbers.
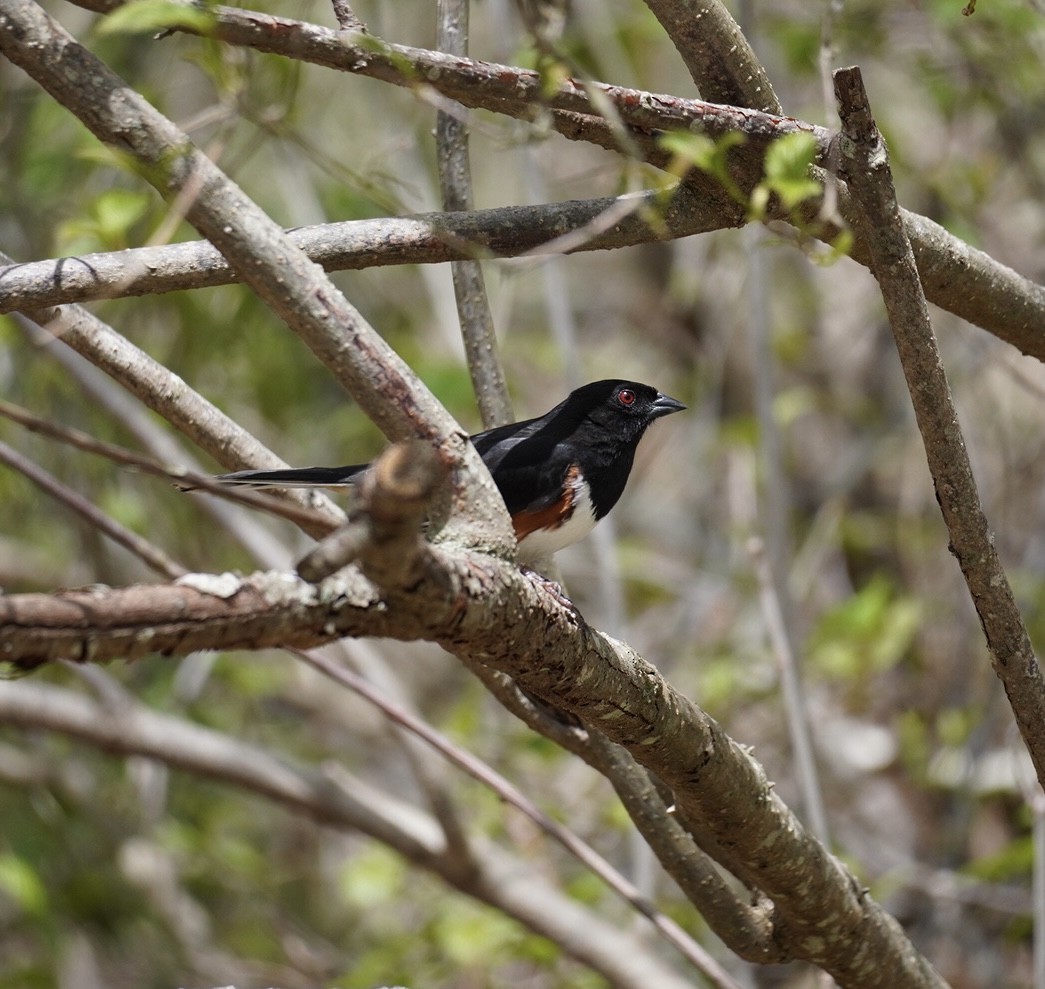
pixel 540 545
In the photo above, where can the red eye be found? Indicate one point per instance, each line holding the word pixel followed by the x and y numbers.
pixel 626 396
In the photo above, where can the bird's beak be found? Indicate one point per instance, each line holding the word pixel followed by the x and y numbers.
pixel 664 405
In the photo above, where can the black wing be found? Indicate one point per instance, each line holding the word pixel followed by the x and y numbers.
pixel 528 461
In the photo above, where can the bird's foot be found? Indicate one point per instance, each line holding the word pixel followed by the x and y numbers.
pixel 554 588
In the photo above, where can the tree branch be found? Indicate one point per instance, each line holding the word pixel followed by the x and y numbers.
pixel 281 275
pixel 955 276
pixel 747 930
pixel 341 800
pixel 718 56
pixel 455 178
pixel 426 238
pixel 309 520
pixel 504 89
pixel 971 540
pixel 483 610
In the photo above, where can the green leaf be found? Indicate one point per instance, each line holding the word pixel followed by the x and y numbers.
pixel 788 158
pixel 786 167
pixel 108 221
pixel 23 885
pixel 697 150
pixel 868 633
pixel 150 16
pixel 700 151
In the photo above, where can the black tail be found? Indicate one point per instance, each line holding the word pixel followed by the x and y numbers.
pixel 296 477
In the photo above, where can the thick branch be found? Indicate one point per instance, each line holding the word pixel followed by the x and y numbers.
pixel 502 88
pixel 955 276
pixel 426 238
pixel 971 540
pixel 718 56
pixel 483 610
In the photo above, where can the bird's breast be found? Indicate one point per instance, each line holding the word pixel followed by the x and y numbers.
pixel 563 524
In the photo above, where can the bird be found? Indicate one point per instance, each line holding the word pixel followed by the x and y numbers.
pixel 559 473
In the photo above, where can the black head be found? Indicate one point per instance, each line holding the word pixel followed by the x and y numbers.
pixel 627 407
pixel 610 419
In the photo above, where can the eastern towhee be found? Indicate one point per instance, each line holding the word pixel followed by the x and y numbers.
pixel 558 474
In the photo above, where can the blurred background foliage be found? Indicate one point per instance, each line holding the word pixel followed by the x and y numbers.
pixel 132 874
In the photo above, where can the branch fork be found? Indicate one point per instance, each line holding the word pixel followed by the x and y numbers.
pixel 384 532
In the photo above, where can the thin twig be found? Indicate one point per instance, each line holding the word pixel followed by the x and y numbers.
pixel 780 639
pixel 455 178
pixel 510 794
pixel 184 478
pixel 148 553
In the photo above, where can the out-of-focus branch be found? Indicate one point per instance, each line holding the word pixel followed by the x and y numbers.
pixel 511 795
pixel 455 178
pixel 798 722
pixel 147 552
pixel 341 800
pixel 867 168
pixel 502 88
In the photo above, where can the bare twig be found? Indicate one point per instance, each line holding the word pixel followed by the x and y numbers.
pixel 510 794
pixel 148 553
pixel 306 518
pixel 794 702
pixel 473 306
pixel 745 927
pixel 167 394
pixel 971 540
